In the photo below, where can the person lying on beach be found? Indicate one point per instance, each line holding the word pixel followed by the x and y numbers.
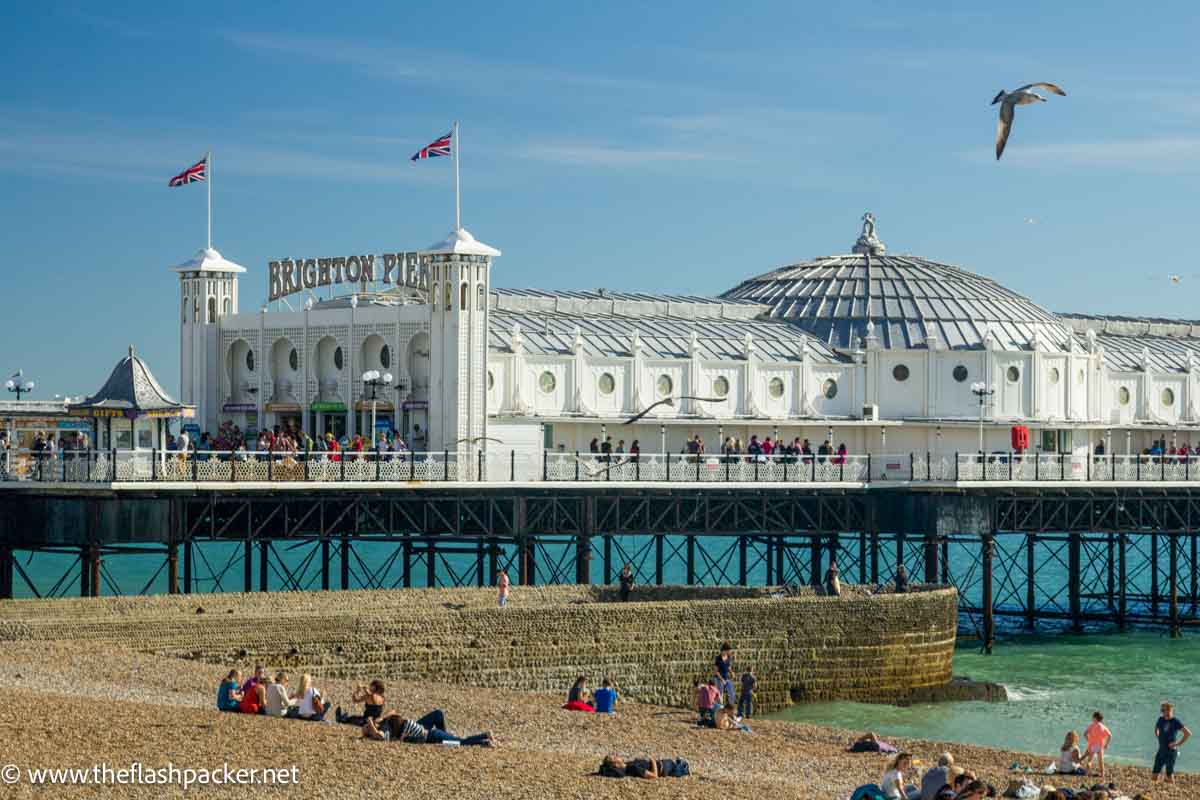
pixel 371 697
pixel 870 743
pixel 647 768
pixel 397 729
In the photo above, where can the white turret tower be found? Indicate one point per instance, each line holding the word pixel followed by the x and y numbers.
pixel 208 290
pixel 459 282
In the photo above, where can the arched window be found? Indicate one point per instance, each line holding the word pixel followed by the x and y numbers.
pixel 463 302
pixel 226 307
pixel 447 295
pixel 433 296
pixel 212 310
pixel 196 310
pixel 185 309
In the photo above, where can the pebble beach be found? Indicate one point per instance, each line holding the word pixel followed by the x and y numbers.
pixel 79 704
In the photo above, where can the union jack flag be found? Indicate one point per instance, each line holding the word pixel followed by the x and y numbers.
pixel 196 172
pixel 439 147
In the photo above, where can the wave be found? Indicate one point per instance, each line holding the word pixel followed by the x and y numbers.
pixel 1019 694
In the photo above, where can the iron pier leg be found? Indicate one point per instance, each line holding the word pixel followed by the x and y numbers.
pixel 431 564
pixel 781 561
pixel 945 562
pixel 248 566
pixel 1154 575
pixel 989 621
pixel 96 592
pixel 6 573
pixel 814 543
pixel 743 553
pixel 173 568
pixel 1174 557
pixel 1074 578
pixel 1112 572
pixel 583 544
pixel 691 560
pixel 85 573
pixel 493 561
pixel 187 567
pixel 862 556
pixel 480 563
pixel 345 565
pixel 875 557
pixel 1195 587
pixel 659 555
pixel 608 565
pixel 1030 580
pixel 406 574
pixel 931 558
pixel 264 563
pixel 325 563
pixel 1122 596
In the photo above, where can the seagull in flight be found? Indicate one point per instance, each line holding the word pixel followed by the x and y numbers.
pixel 1010 100
pixel 669 401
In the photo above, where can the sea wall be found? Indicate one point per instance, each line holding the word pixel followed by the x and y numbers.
pixel 860 646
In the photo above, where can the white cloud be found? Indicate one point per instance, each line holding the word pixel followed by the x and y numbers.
pixel 585 154
pixel 1151 154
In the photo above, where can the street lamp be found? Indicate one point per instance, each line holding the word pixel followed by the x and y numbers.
pixel 373 379
pixel 982 391
pixel 19 385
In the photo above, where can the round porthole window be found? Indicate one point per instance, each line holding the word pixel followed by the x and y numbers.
pixel 1054 375
pixel 721 386
pixel 900 373
pixel 829 388
pixel 547 382
pixel 775 388
pixel 960 373
pixel 1168 397
pixel 664 385
pixel 1013 374
pixel 491 380
pixel 1123 396
pixel 607 383
pixel 294 360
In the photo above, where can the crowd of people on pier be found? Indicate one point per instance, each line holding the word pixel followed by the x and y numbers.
pixel 732 448
pixel 284 442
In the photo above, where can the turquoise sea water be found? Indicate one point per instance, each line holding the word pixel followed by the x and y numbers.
pixel 1054 684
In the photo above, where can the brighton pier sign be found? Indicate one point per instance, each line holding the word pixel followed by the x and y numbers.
pixel 289 276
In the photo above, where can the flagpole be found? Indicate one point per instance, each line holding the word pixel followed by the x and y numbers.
pixel 209 181
pixel 457 203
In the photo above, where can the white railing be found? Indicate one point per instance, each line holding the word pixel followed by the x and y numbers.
pixel 500 466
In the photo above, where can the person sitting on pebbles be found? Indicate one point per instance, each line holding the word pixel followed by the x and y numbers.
pixel 398 729
pixel 229 695
pixel 371 696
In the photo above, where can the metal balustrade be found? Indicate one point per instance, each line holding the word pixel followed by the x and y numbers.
pixel 509 466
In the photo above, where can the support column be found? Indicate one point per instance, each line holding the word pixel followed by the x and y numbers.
pixel 85 572
pixel 1030 580
pixel 862 556
pixel 1074 578
pixel 583 544
pixel 1174 557
pixel 608 566
pixel 659 550
pixel 480 568
pixel 345 562
pixel 187 567
pixel 325 563
pixel 814 572
pixel 1194 582
pixel 6 573
pixel 743 553
pixel 95 567
pixel 989 620
pixel 173 568
pixel 406 550
pixel 248 566
pixel 1122 607
pixel 781 561
pixel 1112 573
pixel 1154 575
pixel 875 557
pixel 431 563
pixel 691 560
pixel 264 563
pixel 931 558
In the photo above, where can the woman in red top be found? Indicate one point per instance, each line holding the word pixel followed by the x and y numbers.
pixel 255 700
pixel 334 450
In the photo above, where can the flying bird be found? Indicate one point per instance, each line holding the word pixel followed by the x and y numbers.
pixel 1031 221
pixel 1010 100
pixel 669 401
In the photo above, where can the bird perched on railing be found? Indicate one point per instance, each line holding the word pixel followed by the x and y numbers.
pixel 669 401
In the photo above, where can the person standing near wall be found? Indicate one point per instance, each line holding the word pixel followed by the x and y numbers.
pixel 745 706
pixel 626 579
pixel 724 665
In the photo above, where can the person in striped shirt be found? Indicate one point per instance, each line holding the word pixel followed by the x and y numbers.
pixel 430 729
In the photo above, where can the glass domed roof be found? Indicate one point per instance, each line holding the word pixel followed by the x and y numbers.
pixel 902 300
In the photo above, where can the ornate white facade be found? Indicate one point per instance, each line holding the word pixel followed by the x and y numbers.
pixel 875 350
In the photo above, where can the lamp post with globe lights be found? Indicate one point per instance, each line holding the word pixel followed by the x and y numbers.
pixel 19 385
pixel 982 391
pixel 374 379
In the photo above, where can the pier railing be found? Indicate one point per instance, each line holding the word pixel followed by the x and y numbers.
pixel 510 466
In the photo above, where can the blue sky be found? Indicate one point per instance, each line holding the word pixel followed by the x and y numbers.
pixel 664 147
